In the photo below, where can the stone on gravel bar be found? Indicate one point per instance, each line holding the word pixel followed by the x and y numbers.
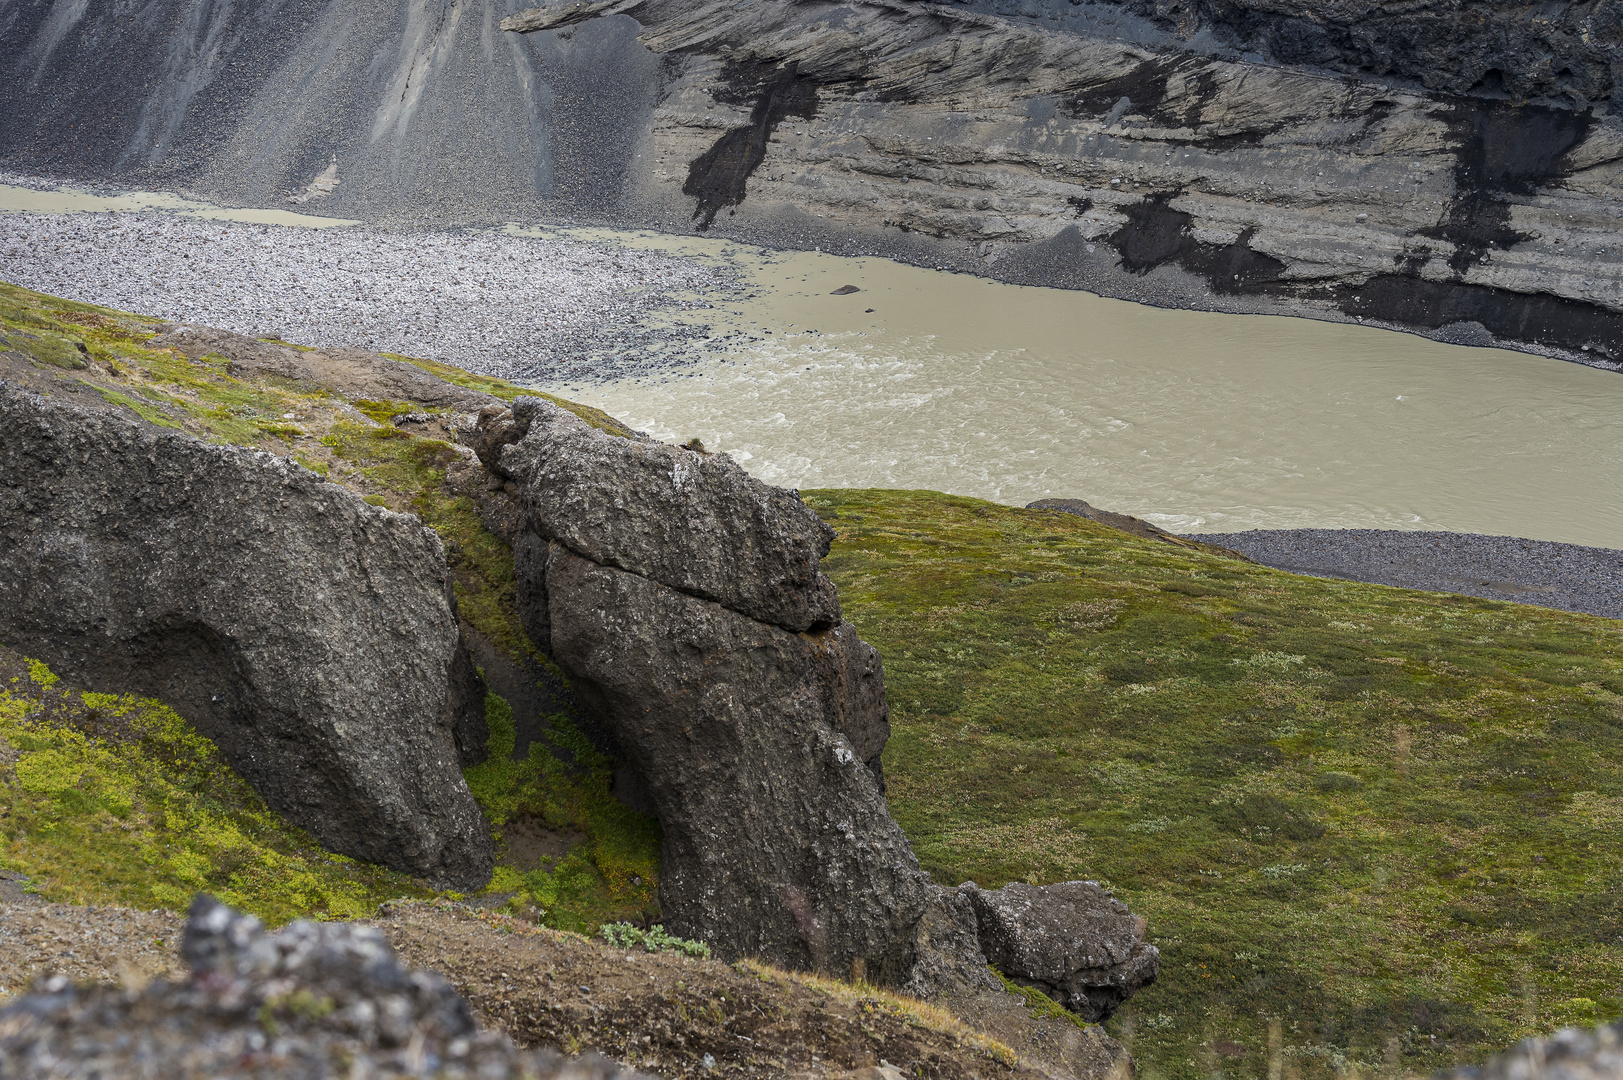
pixel 314 1000
pixel 312 636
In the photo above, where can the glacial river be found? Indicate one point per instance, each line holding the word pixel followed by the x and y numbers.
pixel 1196 421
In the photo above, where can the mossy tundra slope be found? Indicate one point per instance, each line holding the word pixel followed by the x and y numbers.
pixel 1373 829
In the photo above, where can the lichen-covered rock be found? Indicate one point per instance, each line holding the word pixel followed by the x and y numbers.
pixel 311 1001
pixel 777 842
pixel 1073 941
pixel 312 636
pixel 695 522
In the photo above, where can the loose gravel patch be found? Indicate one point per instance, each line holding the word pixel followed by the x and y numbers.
pixel 517 307
pixel 1563 576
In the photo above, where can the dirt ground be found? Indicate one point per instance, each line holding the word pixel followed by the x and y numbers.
pixel 668 1014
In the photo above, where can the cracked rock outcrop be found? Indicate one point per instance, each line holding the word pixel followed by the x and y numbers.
pixel 312 636
pixel 685 602
pixel 311 1001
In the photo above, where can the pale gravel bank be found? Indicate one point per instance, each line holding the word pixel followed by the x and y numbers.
pixel 519 307
pixel 1564 576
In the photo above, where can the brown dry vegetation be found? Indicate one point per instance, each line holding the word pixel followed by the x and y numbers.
pixel 661 1011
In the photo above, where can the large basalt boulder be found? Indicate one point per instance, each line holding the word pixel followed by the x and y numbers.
pixel 312 636
pixel 684 600
pixel 1073 941
pixel 777 842
pixel 311 1000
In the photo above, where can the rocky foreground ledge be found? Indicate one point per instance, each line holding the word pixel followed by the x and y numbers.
pixel 313 1000
pixel 423 968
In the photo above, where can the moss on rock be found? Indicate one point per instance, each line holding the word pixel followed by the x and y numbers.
pixel 110 798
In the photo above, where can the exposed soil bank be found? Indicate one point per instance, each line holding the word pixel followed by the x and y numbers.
pixel 1564 576
pixel 1142 159
pixel 668 1014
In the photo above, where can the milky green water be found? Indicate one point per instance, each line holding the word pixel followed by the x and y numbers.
pixel 1196 421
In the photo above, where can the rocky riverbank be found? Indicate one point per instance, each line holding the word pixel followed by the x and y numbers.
pixel 507 305
pixel 1448 169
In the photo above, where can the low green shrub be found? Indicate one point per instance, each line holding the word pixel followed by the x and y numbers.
pixel 1384 822
pixel 654 939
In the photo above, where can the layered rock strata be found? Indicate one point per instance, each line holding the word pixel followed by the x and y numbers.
pixel 311 1000
pixel 685 601
pixel 311 635
pixel 1571 52
pixel 1463 181
pixel 1158 175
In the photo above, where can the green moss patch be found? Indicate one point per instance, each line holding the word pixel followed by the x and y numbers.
pixel 1387 818
pixel 612 874
pixel 112 799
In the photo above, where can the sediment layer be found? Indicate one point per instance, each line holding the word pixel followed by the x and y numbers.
pixel 1417 192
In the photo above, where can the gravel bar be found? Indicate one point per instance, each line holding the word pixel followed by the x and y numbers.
pixel 1564 576
pixel 518 307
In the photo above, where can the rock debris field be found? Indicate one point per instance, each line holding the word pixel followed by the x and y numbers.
pixel 1565 576
pixel 517 307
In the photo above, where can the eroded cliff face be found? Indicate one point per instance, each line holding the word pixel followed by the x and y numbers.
pixel 1438 166
pixel 1571 52
pixel 1050 158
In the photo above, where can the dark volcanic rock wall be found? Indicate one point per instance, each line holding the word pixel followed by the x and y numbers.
pixel 312 636
pixel 1568 51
